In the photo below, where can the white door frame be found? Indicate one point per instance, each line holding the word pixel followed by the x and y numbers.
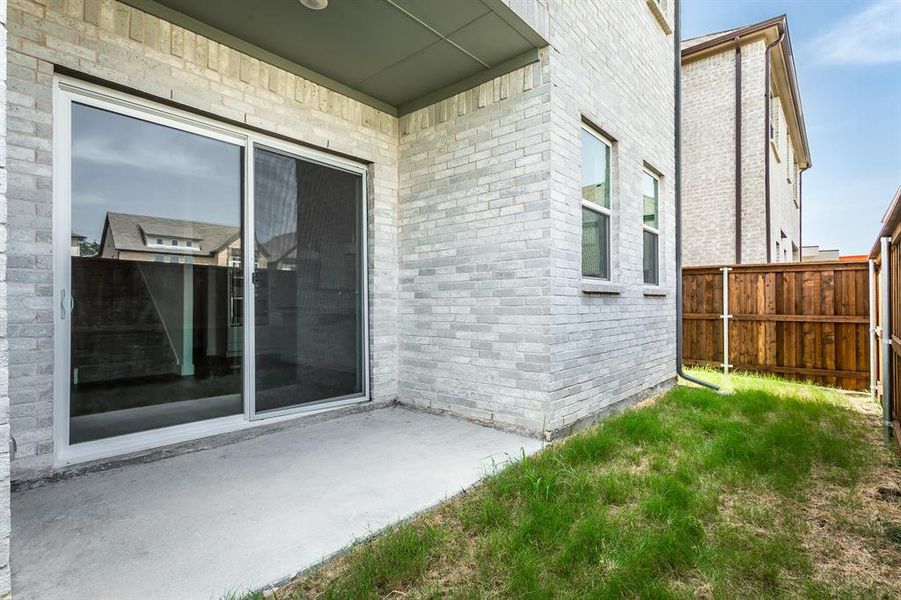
pixel 65 91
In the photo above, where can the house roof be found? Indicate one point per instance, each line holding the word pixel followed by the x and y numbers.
pixel 129 232
pixel 775 29
pixel 696 41
pixel 890 222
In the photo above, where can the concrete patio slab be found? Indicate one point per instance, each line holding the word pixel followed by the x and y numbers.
pixel 243 515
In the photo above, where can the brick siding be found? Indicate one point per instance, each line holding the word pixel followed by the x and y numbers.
pixel 476 299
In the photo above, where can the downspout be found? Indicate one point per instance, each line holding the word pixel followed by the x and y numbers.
pixel 886 327
pixel 801 214
pixel 677 196
pixel 766 142
pixel 738 165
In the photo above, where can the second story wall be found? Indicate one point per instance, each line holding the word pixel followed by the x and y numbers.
pixel 708 157
pixel 785 237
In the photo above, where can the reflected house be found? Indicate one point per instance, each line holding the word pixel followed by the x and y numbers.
pixel 142 237
pixel 77 239
pixel 152 315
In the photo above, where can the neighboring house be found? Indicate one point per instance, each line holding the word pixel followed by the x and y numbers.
pixel 77 241
pixel 815 253
pixel 147 238
pixel 475 218
pixel 740 106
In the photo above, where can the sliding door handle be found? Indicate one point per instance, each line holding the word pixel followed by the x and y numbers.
pixel 66 304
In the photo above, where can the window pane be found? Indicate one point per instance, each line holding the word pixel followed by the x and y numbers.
pixel 650 258
pixel 651 194
pixel 595 170
pixel 151 342
pixel 595 244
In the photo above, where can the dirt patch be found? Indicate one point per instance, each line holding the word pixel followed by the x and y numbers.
pixel 850 533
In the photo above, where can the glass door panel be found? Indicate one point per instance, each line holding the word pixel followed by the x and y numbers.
pixel 308 311
pixel 156 280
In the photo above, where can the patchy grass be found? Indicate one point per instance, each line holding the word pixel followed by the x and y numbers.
pixel 773 490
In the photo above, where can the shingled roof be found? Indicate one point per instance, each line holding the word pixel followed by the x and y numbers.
pixel 130 232
pixel 697 41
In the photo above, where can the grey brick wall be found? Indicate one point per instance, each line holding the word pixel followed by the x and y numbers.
pixel 477 301
pixel 613 66
pixel 5 522
pixel 708 161
pixel 124 46
pixel 475 269
pixel 708 165
pixel 786 214
pixel 495 324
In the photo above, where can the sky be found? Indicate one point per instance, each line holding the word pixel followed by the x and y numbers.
pixel 848 58
pixel 122 164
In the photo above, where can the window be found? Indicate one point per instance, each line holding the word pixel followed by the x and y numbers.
pixel 158 258
pixel 175 242
pixel 159 241
pixel 595 205
pixel 189 243
pixel 651 224
pixel 173 259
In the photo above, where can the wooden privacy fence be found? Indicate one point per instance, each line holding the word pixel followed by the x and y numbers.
pixel 807 321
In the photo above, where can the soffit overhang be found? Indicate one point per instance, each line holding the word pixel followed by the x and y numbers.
pixel 394 55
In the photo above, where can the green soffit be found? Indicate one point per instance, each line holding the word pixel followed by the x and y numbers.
pixel 394 55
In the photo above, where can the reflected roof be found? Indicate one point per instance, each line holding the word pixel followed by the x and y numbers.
pixel 130 232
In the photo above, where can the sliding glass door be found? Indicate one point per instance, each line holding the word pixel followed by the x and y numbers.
pixel 205 276
pixel 155 317
pixel 308 317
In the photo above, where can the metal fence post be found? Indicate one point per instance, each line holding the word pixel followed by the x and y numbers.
pixel 886 326
pixel 725 317
pixel 873 353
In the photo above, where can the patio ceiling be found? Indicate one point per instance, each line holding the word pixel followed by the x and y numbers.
pixel 396 55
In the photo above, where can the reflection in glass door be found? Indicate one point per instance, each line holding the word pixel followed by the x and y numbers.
pixel 308 311
pixel 156 282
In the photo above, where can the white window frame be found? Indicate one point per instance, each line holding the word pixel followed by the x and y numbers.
pixel 67 90
pixel 594 207
pixel 648 228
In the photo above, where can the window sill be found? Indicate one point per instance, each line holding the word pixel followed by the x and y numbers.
pixel 657 11
pixel 655 291
pixel 601 287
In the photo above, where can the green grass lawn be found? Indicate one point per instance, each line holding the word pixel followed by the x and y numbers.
pixel 770 491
